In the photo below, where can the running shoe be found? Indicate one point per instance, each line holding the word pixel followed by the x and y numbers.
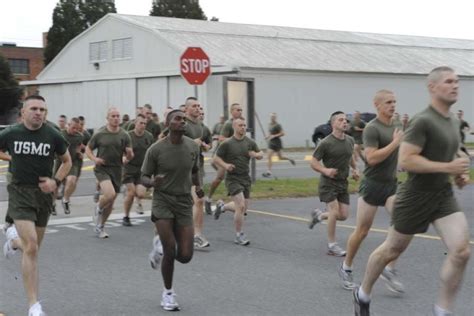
pixel 336 251
pixel 241 239
pixel 315 217
pixel 208 206
pixel 156 253
pixel 140 209
pixel 219 209
pixel 360 308
pixel 168 301
pixel 200 242
pixel 99 230
pixel 391 281
pixel 36 310
pixel 8 249
pixel 126 221
pixel 267 174
pixel 347 279
pixel 6 226
pixel 53 210
pixel 66 208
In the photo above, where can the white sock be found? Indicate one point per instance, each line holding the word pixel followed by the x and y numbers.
pixel 168 292
pixel 346 267
pixel 362 296
pixel 438 311
pixel 331 244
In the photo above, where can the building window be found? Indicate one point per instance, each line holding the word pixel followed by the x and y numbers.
pixel 19 66
pixel 98 51
pixel 122 48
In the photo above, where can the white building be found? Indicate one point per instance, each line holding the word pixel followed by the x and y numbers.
pixel 301 74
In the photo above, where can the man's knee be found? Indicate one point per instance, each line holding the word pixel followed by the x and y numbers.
pixel 30 246
pixel 184 257
pixel 362 232
pixel 461 254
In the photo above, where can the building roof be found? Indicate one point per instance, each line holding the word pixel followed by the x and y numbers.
pixel 276 47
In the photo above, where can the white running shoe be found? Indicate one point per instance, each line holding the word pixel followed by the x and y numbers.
pixel 99 230
pixel 140 209
pixel 336 251
pixel 392 282
pixel 36 310
pixel 156 253
pixel 168 301
pixel 8 249
pixel 200 242
pixel 241 239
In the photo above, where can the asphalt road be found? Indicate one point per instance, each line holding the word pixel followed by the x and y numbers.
pixel 284 271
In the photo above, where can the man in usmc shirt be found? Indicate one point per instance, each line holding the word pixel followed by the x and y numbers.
pixel 32 146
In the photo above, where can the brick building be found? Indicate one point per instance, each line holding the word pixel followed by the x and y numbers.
pixel 25 62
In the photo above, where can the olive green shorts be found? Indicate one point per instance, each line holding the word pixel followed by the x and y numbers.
pixel 330 190
pixel 376 193
pixel 114 174
pixel 176 207
pixel 129 177
pixel 30 204
pixel 413 211
pixel 75 168
pixel 238 184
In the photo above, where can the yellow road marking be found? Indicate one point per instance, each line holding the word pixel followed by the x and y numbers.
pixel 377 230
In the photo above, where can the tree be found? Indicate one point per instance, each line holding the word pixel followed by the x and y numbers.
pixel 71 18
pixel 185 9
pixel 10 92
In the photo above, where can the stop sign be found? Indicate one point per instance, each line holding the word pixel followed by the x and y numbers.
pixel 195 65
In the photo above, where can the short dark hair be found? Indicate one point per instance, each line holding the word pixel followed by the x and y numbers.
pixel 141 115
pixel 191 98
pixel 168 116
pixel 81 118
pixel 35 97
pixel 148 106
pixel 63 116
pixel 75 120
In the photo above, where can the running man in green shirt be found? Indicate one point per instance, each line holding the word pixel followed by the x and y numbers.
pixel 141 141
pixel 430 153
pixel 32 146
pixel 75 139
pixel 227 132
pixel 275 144
pixel 234 156
pixel 112 143
pixel 171 167
pixel 332 158
pixel 381 141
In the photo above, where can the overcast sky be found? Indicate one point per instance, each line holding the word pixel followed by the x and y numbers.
pixel 22 21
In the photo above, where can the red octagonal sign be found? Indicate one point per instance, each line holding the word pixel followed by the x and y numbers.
pixel 195 65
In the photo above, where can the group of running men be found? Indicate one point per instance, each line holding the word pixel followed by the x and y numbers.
pixel 170 159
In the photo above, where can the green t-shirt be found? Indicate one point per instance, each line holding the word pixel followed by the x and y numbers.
pixel 378 135
pixel 140 146
pixel 216 130
pixel 175 161
pixel 32 152
pixel 273 129
pixel 236 152
pixel 110 146
pixel 357 135
pixel 439 138
pixel 336 153
pixel 74 141
pixel 151 127
pixel 194 129
pixel 227 130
